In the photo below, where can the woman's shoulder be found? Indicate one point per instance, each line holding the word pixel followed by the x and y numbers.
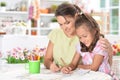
pixel 57 31
pixel 56 34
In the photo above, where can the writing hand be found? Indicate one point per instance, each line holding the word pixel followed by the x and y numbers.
pixel 66 70
pixel 54 67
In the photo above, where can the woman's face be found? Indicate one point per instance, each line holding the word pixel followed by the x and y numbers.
pixel 67 25
pixel 84 35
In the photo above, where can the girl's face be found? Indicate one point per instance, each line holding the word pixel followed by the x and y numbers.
pixel 67 25
pixel 84 35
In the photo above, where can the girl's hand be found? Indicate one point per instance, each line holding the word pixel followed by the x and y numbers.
pixel 54 67
pixel 66 70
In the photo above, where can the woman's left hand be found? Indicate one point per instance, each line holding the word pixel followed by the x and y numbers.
pixel 105 45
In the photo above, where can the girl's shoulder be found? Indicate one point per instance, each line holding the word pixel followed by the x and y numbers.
pixel 99 50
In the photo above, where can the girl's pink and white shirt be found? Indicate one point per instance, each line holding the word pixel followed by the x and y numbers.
pixel 87 57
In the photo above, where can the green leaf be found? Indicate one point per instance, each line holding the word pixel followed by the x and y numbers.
pixel 118 53
pixel 14 60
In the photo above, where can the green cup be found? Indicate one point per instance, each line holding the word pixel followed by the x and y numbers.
pixel 34 67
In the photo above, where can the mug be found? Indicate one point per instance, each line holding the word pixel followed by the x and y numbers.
pixel 33 66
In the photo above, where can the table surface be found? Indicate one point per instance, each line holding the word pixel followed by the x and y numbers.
pixel 18 72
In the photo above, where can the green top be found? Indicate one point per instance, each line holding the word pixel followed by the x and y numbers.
pixel 64 47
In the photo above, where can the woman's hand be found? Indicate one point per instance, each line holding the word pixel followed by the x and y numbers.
pixel 54 67
pixel 66 69
pixel 107 47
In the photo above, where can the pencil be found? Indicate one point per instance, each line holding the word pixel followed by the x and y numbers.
pixel 63 61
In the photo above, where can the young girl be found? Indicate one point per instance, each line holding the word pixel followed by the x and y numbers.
pixel 93 57
pixel 89 49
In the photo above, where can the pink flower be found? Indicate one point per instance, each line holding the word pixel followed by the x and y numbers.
pixel 22 57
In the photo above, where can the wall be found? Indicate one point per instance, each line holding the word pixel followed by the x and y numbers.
pixel 113 38
pixel 9 42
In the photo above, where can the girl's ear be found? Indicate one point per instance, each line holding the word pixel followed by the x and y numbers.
pixel 94 32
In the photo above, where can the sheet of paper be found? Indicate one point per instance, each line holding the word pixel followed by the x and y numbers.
pixel 83 71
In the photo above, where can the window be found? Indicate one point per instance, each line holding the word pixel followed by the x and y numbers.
pixel 114 21
pixel 113 8
pixel 102 5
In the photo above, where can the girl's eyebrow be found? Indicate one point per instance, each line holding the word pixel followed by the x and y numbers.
pixel 83 35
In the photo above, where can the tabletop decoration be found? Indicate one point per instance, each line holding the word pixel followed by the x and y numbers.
pixel 17 55
pixel 116 49
pixel 37 53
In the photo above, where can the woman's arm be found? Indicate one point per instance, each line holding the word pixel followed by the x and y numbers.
pixel 97 60
pixel 48 58
pixel 107 47
pixel 75 61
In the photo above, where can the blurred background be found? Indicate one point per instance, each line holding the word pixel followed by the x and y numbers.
pixel 33 14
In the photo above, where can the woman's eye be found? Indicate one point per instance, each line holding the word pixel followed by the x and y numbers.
pixel 84 36
pixel 60 24
pixel 67 22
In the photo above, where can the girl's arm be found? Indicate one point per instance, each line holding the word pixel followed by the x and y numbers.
pixel 97 60
pixel 68 68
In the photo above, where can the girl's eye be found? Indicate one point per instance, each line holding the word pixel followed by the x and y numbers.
pixel 79 37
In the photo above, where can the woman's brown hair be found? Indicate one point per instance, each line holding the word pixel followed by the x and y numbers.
pixel 67 9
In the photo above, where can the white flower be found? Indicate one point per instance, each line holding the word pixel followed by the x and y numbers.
pixel 22 57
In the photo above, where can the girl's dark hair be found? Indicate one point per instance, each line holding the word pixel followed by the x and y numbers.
pixel 67 9
pixel 92 25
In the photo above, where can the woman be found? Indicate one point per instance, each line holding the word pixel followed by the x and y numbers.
pixel 62 42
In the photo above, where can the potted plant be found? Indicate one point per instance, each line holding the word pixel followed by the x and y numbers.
pixel 53 20
pixel 3 6
pixel 53 8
